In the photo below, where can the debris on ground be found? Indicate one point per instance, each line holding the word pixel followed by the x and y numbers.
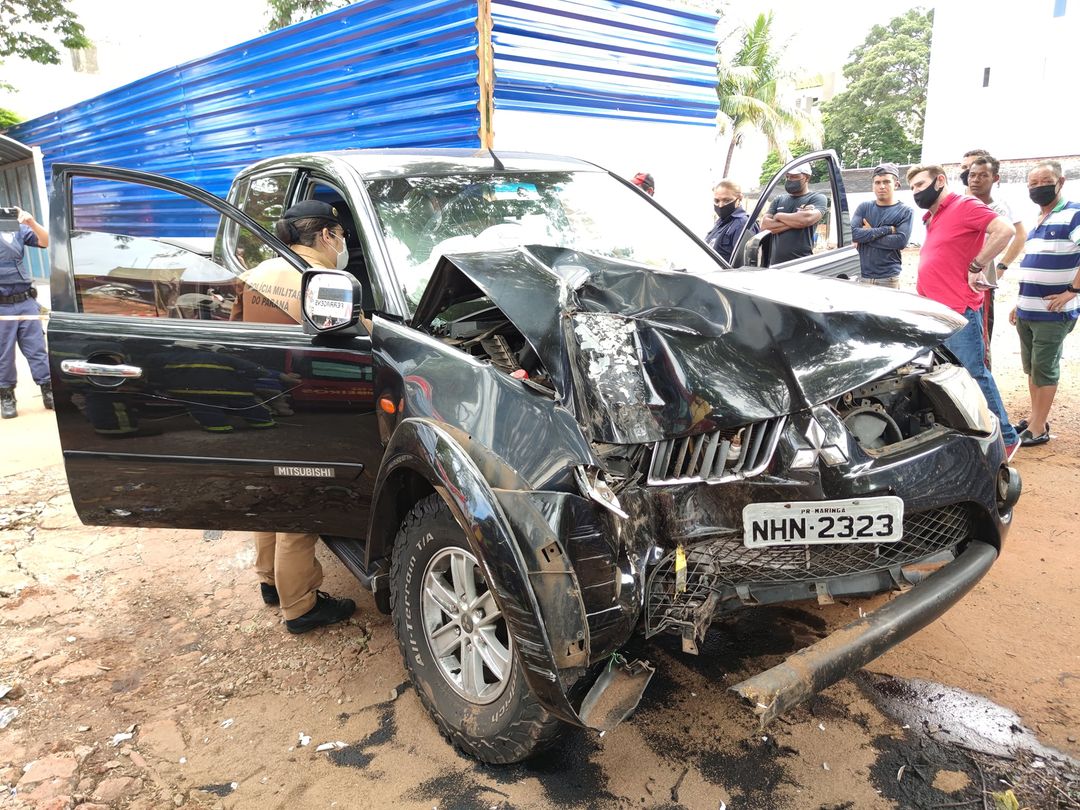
pixel 7 714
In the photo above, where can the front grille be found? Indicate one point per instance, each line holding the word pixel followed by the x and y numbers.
pixel 716 457
pixel 725 562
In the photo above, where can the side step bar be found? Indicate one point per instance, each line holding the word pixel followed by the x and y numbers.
pixel 351 553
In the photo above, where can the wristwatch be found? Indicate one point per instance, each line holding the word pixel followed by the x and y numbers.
pixel 1002 267
pixel 1073 290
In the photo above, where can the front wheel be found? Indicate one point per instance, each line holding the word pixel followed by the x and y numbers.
pixel 456 643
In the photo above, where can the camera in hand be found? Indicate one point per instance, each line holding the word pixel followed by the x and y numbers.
pixel 9 219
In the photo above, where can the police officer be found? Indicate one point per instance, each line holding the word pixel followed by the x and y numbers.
pixel 20 321
pixel 289 575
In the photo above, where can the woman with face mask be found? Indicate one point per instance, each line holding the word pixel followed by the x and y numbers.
pixel 289 575
pixel 271 292
pixel 730 219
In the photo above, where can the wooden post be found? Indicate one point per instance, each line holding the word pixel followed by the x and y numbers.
pixel 485 54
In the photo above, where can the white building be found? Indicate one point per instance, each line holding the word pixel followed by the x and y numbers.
pixel 1002 78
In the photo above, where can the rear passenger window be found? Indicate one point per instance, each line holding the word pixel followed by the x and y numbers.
pixel 147 252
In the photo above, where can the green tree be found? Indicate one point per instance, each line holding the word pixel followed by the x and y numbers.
pixel 880 115
pixel 22 22
pixel 287 12
pixel 748 89
pixel 797 148
pixel 8 119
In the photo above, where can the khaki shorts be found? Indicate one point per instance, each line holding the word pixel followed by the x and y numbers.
pixel 892 282
pixel 1040 348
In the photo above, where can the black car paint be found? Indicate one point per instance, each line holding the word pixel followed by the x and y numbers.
pixel 570 575
pixel 168 475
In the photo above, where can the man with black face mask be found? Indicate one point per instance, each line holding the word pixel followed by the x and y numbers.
pixel 1049 302
pixel 730 219
pixel 792 216
pixel 962 236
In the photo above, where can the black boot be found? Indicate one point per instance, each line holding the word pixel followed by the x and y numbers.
pixel 7 403
pixel 327 610
pixel 46 396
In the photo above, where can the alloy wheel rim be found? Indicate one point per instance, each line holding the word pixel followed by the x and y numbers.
pixel 465 629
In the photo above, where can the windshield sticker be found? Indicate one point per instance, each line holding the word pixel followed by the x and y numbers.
pixel 515 191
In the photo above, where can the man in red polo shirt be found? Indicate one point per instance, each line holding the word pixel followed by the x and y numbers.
pixel 962 236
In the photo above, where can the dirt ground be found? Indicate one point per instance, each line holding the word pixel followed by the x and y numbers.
pixel 147 673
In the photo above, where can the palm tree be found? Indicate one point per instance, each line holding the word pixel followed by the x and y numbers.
pixel 747 88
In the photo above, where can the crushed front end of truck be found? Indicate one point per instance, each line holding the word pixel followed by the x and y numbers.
pixel 752 438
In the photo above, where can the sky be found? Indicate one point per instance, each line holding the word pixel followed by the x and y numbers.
pixel 135 38
pixel 820 36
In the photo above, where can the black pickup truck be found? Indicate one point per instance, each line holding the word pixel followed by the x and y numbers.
pixel 534 415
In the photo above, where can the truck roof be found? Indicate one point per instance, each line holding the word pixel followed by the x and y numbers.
pixel 373 164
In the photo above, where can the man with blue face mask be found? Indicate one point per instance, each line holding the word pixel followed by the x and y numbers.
pixel 793 216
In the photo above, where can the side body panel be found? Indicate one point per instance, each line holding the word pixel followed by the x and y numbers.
pixel 140 453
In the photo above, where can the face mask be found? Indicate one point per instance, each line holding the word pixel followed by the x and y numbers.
pixel 724 211
pixel 927 197
pixel 964 177
pixel 793 186
pixel 1043 195
pixel 342 256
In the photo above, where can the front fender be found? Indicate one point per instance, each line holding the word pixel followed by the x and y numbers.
pixel 547 622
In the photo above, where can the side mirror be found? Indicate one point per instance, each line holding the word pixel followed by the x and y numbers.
pixel 330 301
pixel 756 250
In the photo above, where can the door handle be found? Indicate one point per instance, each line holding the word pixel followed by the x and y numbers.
pixel 84 368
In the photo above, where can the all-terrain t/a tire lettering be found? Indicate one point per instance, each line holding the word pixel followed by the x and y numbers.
pixel 456 645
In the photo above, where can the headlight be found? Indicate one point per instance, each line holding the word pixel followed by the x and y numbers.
pixel 957 399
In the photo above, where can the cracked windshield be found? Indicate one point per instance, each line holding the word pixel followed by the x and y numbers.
pixel 425 218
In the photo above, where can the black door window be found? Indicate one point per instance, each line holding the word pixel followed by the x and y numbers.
pixel 150 252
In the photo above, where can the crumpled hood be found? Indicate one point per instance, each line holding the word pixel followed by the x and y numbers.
pixel 649 354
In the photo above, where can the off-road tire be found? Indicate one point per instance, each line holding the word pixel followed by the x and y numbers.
pixel 511 728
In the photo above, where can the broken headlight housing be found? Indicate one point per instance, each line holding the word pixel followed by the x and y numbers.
pixel 957 399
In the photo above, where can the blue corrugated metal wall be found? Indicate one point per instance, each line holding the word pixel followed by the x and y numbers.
pixel 633 60
pixel 377 73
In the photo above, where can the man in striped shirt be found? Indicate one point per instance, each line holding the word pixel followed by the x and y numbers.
pixel 1048 306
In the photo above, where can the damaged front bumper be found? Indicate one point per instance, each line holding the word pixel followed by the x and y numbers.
pixel 820 665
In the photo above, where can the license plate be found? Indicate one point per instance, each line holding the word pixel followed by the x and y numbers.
pixel 796 523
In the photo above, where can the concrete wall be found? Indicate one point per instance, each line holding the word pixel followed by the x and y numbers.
pixel 1027 108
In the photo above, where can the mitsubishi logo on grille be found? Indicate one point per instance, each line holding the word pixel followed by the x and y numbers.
pixel 831 454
